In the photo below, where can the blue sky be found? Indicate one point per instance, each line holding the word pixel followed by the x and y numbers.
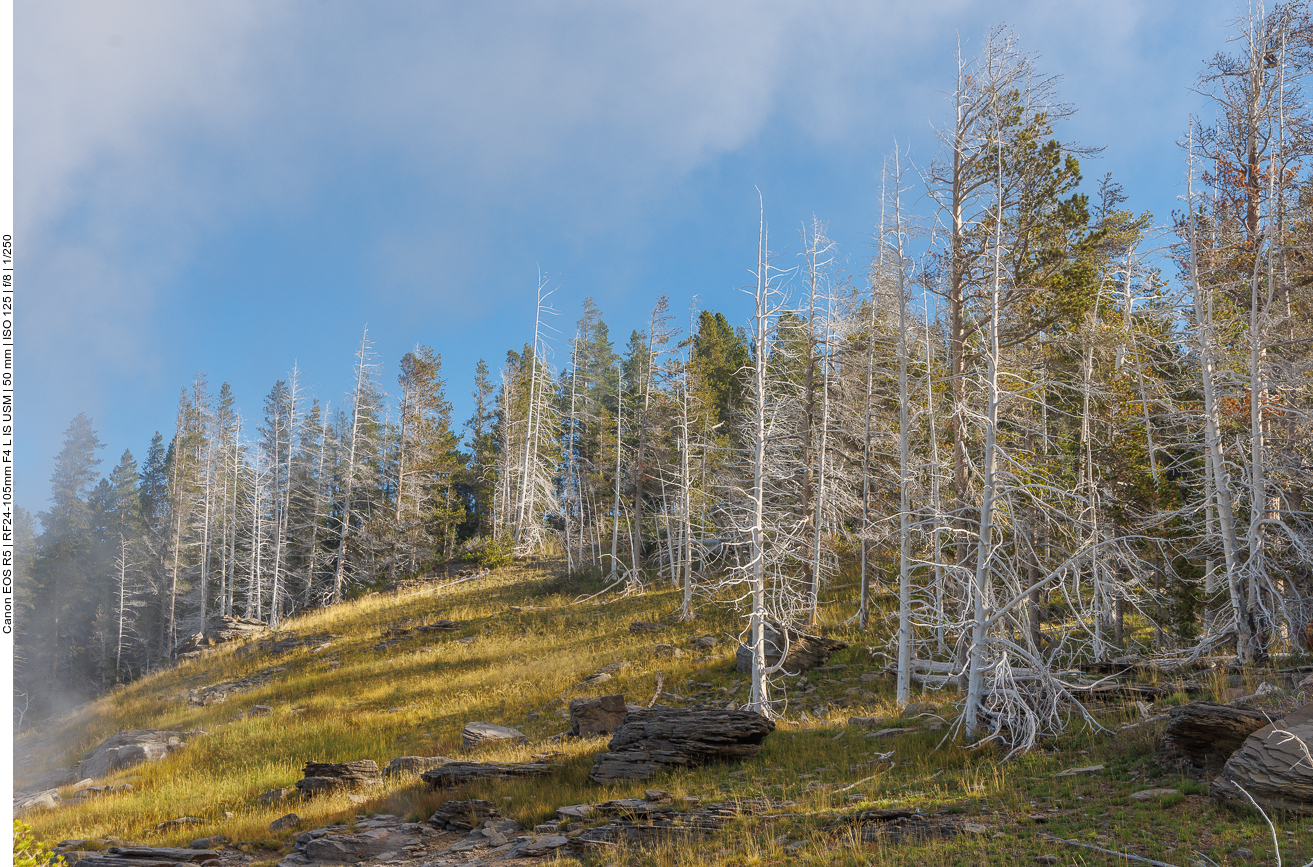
pixel 236 187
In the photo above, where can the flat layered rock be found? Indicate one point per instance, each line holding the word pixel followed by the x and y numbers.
pixel 805 652
pixel 321 777
pixel 46 800
pixel 1273 766
pixel 542 845
pixel 413 766
pixel 597 716
pixel 1152 794
pixel 144 856
pixel 165 853
pixel 1205 735
pixel 479 734
pixel 454 774
pixel 351 848
pixel 651 830
pixel 102 859
pixel 655 740
pixel 463 815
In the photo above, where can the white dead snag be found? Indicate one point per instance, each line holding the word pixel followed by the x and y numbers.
pixel 759 699
pixel 615 505
pixel 985 544
pixel 819 304
pixel 536 483
pixel 864 599
pixel 905 651
pixel 357 413
pixel 1203 310
pixel 686 488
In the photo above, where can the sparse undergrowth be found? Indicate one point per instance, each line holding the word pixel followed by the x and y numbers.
pixel 348 688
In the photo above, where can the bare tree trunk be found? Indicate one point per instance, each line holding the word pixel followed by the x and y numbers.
pixel 340 571
pixel 615 507
pixel 905 651
pixel 984 550
pixel 759 699
pixel 1212 439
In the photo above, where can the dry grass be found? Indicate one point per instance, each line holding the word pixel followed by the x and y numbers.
pixel 520 667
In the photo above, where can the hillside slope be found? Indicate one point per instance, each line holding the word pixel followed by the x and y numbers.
pixel 349 683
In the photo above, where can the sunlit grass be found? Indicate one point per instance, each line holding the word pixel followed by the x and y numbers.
pixel 522 649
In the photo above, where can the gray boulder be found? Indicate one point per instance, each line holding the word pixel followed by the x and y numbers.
pixel 51 779
pixel 1273 766
pixel 47 800
pixel 222 631
pixel 481 734
pixel 463 815
pixel 321 777
pixel 656 740
pixel 126 749
pixel 454 774
pixel 413 766
pixel 1204 735
pixel 805 652
pixel 596 716
pixel 351 848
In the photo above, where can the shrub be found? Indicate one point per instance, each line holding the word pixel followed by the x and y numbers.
pixel 493 555
pixel 28 852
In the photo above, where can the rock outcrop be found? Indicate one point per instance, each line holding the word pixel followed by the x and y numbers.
pixel 47 799
pixel 126 749
pixel 222 631
pixel 481 734
pixel 652 741
pixel 1274 766
pixel 642 828
pixel 463 815
pixel 596 716
pixel 805 652
pixel 373 844
pixel 146 856
pixel 1204 735
pixel 454 774
pixel 413 766
pixel 50 780
pixel 321 777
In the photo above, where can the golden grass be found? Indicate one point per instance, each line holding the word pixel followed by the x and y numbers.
pixel 519 668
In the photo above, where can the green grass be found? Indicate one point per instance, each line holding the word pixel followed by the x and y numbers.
pixel 523 648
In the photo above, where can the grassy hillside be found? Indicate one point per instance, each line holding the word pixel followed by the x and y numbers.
pixel 342 684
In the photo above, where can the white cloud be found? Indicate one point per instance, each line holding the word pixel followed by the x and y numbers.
pixel 147 128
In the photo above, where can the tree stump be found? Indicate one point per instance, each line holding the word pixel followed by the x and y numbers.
pixel 1204 735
